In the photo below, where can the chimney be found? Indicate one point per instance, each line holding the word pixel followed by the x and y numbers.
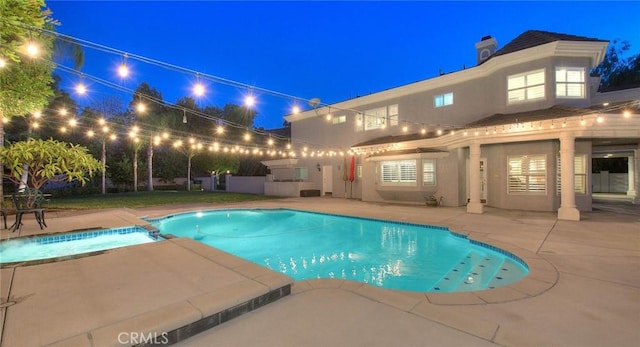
pixel 485 48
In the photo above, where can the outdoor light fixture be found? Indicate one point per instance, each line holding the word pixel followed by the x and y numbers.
pixel 318 167
pixel 184 116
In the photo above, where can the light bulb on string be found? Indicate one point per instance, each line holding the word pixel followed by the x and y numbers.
pixel 247 136
pixel 37 114
pixel 249 100
pixel 90 133
pixel 81 89
pixel 184 116
pixel 62 111
pixel 220 129
pixel 295 109
pixel 123 69
pixel 198 88
pixel 626 114
pixel 3 62
pixel 32 49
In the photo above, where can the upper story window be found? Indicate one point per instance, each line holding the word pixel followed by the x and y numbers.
pixel 525 87
pixel 381 117
pixel 443 100
pixel 570 82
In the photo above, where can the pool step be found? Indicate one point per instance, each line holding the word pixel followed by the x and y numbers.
pixel 482 274
pixel 459 273
pixel 506 274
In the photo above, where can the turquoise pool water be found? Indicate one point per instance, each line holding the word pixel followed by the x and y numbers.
pixel 54 246
pixel 392 255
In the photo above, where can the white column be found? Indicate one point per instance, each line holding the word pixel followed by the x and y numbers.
pixel 567 210
pixel 474 205
pixel 632 164
pixel 636 174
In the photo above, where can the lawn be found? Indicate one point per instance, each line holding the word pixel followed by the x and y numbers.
pixel 144 199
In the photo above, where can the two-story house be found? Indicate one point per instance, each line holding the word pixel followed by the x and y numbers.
pixel 516 131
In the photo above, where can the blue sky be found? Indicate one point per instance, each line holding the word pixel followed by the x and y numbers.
pixel 330 50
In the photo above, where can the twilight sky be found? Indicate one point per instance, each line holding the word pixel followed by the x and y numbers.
pixel 330 50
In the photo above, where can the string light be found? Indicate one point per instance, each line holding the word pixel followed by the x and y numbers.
pixel 123 69
pixel 384 125
pixel 81 89
pixel 295 109
pixel 3 62
pixel 249 100
pixel 62 111
pixel 32 49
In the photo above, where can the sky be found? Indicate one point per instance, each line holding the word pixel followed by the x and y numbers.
pixel 290 52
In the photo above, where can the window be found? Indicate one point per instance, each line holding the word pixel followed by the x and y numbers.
pixel 339 119
pixel 525 87
pixel 300 173
pixel 393 115
pixel 375 119
pixel 381 117
pixel 570 83
pixel 443 100
pixel 580 172
pixel 399 172
pixel 527 174
pixel 428 172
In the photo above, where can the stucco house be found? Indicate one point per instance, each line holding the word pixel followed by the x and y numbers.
pixel 516 131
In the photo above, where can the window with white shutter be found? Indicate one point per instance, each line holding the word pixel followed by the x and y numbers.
pixel 527 174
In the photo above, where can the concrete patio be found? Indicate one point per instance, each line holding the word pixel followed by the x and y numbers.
pixel 583 290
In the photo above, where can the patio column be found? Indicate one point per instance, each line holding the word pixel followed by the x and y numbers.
pixel 634 164
pixel 474 205
pixel 567 210
pixel 631 173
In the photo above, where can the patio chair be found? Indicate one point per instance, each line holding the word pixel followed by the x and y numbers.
pixel 27 201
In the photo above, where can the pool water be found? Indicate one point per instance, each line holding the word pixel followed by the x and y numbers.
pixel 307 245
pixel 53 246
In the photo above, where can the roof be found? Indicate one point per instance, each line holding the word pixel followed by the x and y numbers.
pixel 408 151
pixel 533 38
pixel 553 112
pixel 395 138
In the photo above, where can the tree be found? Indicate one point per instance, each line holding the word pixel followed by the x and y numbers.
pixel 25 80
pixel 48 160
pixel 615 70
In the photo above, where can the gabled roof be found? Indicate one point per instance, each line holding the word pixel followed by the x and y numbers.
pixel 533 38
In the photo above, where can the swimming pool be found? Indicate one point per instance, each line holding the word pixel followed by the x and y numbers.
pixel 306 245
pixel 66 244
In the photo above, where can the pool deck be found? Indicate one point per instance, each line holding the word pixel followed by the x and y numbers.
pixel 583 290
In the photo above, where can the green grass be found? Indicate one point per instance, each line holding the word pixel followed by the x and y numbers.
pixel 145 199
